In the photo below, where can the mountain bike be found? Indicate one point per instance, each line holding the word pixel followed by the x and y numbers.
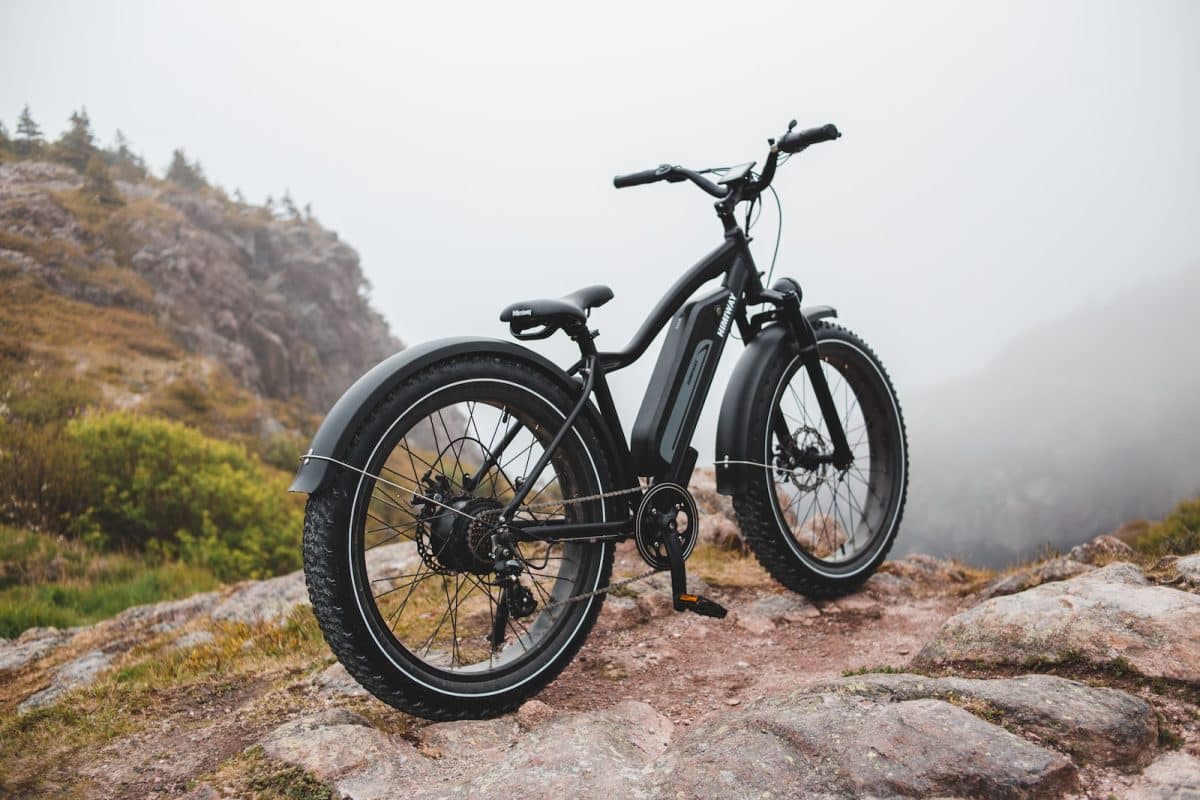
pixel 466 495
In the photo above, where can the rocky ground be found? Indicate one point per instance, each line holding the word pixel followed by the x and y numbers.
pixel 1075 677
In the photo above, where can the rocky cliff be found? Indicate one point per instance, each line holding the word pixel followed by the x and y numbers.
pixel 279 304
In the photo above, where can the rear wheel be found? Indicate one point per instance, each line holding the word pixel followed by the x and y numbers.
pixel 401 561
pixel 819 530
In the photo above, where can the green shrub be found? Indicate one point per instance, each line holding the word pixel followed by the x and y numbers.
pixel 40 482
pixel 164 488
pixel 283 451
pixel 1177 534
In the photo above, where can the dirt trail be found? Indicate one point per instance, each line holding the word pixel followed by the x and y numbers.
pixel 688 666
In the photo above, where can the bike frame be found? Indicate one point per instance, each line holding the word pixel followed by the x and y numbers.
pixel 733 260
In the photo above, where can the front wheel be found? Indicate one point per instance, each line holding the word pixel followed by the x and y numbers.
pixel 819 530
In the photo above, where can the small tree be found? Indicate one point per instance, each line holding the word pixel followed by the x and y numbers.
pixel 187 175
pixel 98 182
pixel 77 145
pixel 238 197
pixel 289 205
pixel 28 133
pixel 128 164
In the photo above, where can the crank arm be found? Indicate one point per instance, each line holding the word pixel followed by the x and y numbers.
pixel 680 599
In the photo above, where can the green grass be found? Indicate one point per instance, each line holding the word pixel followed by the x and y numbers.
pixel 1177 534
pixel 46 580
pixel 885 669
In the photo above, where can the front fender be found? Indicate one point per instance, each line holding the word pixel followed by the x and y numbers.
pixel 333 436
pixel 749 377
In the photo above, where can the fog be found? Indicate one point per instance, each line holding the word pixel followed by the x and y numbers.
pixel 1075 428
pixel 1004 165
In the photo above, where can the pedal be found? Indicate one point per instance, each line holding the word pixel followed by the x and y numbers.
pixel 699 604
pixel 680 599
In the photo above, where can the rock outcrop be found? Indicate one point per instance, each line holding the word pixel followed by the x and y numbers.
pixel 1102 725
pixel 638 716
pixel 281 303
pixel 1110 616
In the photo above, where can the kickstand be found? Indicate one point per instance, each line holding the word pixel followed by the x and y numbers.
pixel 680 599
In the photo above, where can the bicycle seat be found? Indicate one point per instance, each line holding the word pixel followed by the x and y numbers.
pixel 568 311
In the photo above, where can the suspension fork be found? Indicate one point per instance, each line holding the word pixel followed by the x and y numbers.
pixel 810 357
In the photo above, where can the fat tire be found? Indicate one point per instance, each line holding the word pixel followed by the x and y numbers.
pixel 326 519
pixel 754 507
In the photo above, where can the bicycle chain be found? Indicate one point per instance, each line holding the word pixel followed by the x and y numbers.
pixel 569 501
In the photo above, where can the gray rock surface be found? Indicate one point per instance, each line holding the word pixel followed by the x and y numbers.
pixel 832 744
pixel 1096 725
pixel 765 613
pixel 263 601
pixel 32 644
pixel 272 600
pixel 342 747
pixel 1054 569
pixel 594 754
pixel 1109 614
pixel 1174 776
pixel 864 736
pixel 192 639
pixel 1188 568
pixel 1101 550
pixel 71 675
pixel 335 681
pixel 168 615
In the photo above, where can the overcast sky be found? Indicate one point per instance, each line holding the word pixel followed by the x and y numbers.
pixel 1001 164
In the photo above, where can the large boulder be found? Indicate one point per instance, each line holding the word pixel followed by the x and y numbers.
pixel 835 745
pixel 1110 615
pixel 1095 724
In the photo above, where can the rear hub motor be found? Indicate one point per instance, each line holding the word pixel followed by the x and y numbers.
pixel 462 541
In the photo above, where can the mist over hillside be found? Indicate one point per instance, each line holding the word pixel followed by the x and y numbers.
pixel 1075 428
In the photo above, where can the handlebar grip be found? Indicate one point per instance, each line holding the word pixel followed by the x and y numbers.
pixel 638 178
pixel 795 142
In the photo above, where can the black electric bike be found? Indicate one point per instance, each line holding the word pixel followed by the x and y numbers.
pixel 466 495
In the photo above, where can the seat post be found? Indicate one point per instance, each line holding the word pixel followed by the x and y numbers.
pixel 586 339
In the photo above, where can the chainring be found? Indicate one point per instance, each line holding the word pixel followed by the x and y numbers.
pixel 667 509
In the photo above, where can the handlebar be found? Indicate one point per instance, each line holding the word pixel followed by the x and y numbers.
pixel 671 174
pixel 638 178
pixel 795 142
pixel 789 143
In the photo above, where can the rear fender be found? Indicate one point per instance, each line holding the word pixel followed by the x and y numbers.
pixel 334 436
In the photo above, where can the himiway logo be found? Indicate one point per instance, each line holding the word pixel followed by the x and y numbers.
pixel 726 317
